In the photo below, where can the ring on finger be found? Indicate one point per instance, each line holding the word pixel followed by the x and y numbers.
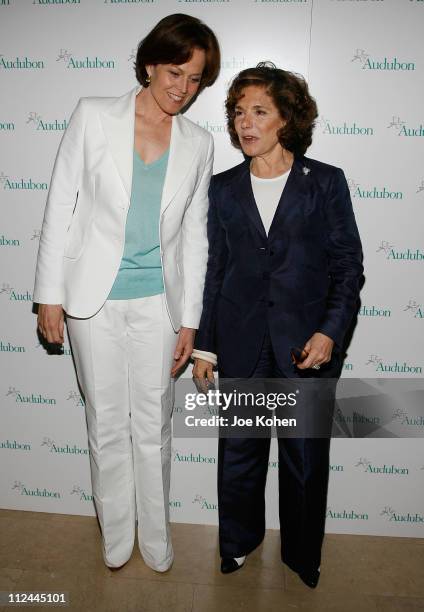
pixel 316 366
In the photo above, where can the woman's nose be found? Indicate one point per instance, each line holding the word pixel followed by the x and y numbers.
pixel 184 84
pixel 246 122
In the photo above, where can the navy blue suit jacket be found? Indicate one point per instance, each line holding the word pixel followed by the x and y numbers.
pixel 304 277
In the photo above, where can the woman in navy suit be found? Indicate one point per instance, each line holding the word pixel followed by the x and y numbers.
pixel 284 271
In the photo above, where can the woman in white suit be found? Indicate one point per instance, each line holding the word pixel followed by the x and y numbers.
pixel 123 253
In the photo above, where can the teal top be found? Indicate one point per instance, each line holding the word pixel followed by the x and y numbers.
pixel 140 272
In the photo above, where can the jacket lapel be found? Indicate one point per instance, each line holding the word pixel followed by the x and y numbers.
pixel 182 154
pixel 293 196
pixel 242 191
pixel 118 125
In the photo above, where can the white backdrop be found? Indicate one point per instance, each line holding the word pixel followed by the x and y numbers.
pixel 364 62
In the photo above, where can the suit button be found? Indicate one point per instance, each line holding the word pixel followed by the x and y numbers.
pixel 270 304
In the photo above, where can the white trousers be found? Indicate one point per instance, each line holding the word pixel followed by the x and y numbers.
pixel 123 357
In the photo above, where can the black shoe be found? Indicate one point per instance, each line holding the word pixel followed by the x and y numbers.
pixel 310 578
pixel 229 565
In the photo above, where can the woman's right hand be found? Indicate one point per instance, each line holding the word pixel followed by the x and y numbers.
pixel 203 372
pixel 51 322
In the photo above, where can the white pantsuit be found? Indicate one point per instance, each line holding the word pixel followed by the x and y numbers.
pixel 123 349
pixel 123 356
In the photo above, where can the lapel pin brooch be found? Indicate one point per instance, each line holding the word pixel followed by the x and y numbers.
pixel 306 170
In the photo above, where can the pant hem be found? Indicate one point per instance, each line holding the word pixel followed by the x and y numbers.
pixel 164 566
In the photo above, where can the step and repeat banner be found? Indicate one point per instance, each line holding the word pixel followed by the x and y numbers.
pixel 364 61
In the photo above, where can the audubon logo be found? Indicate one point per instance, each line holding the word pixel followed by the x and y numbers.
pixel 280 1
pixel 55 2
pixel 63 449
pixel 215 128
pixel 6 126
pixel 370 468
pixel 8 347
pixel 21 398
pixel 46 126
pixel 402 129
pixel 175 503
pixel 20 63
pixel 351 515
pixel 85 63
pixel 6 289
pixel 129 1
pixel 355 418
pixel 9 242
pixel 366 62
pixel 21 184
pixel 391 515
pixel 415 310
pixel 404 255
pixel 204 503
pixel 374 311
pixel 77 490
pixel 345 129
pixel 180 457
pixel 374 193
pixel 405 419
pixel 15 296
pixel 15 445
pixel 76 398
pixel 20 488
pixel 210 1
pixel 233 63
pixel 380 366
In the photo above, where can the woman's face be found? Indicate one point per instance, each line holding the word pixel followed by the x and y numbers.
pixel 172 85
pixel 257 122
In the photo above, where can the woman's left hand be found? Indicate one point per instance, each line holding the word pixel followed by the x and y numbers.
pixel 183 349
pixel 319 348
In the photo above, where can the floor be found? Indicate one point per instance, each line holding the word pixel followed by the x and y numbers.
pixel 56 552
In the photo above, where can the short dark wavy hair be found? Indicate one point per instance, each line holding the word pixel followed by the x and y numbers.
pixel 290 94
pixel 172 41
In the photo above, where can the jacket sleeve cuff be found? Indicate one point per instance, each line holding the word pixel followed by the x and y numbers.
pixel 332 332
pixel 47 295
pixel 205 355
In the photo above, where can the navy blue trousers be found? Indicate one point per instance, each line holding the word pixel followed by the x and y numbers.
pixel 303 483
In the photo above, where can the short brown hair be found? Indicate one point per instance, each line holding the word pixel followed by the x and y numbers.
pixel 290 94
pixel 172 41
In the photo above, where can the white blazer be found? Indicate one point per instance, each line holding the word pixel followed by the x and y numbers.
pixel 83 233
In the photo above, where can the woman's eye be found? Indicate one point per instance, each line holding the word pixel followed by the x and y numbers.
pixel 175 74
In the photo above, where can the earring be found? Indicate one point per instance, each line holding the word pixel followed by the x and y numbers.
pixel 148 79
